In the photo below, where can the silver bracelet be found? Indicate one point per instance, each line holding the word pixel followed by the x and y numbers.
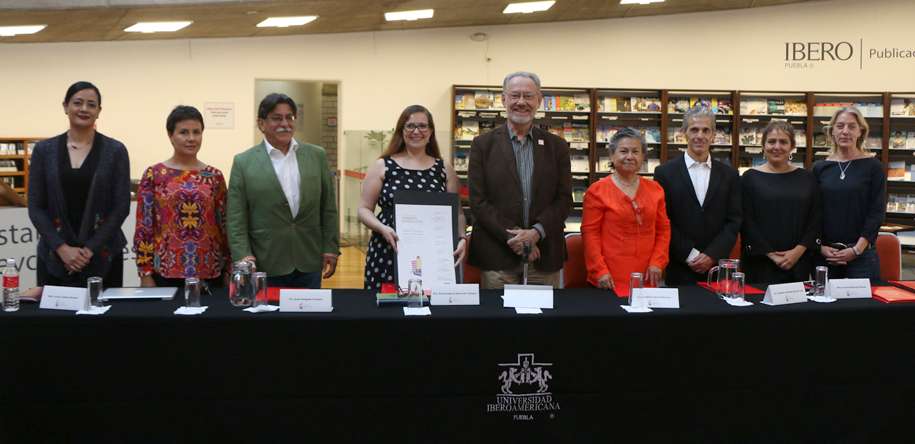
pixel 855 249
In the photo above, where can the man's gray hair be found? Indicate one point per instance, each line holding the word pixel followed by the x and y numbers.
pixel 697 111
pixel 529 75
pixel 626 133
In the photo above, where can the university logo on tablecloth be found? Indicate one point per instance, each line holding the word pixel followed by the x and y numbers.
pixel 524 388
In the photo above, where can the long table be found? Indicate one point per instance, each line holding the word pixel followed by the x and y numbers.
pixel 586 370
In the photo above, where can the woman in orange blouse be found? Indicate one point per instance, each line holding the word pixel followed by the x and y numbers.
pixel 624 227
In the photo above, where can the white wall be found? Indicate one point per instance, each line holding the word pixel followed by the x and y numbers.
pixel 381 73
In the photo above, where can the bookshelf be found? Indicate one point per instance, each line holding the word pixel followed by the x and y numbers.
pixel 899 133
pixel 722 102
pixel 565 112
pixel 620 108
pixel 756 109
pixel 15 154
pixel 890 115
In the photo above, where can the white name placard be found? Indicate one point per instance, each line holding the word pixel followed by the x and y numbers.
pixel 781 294
pixel 460 294
pixel 63 298
pixel 657 298
pixel 306 300
pixel 849 288
pixel 528 296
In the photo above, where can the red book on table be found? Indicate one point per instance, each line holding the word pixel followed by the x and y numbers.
pixel 892 295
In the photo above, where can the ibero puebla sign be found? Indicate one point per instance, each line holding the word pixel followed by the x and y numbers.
pixel 811 55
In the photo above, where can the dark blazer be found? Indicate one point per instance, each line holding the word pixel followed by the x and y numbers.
pixel 710 228
pixel 496 199
pixel 106 209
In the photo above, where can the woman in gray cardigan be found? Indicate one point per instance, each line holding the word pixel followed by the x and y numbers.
pixel 79 196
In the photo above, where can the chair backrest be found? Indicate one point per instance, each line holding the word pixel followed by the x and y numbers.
pixel 735 252
pixel 889 249
pixel 574 272
pixel 469 273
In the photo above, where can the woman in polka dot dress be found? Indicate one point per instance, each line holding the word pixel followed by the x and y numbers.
pixel 411 162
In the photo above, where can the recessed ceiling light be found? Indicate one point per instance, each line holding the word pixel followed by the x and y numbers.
pixel 150 27
pixel 527 8
pixel 641 2
pixel 9 31
pixel 408 15
pixel 283 22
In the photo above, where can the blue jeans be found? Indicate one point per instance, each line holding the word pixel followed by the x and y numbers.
pixel 296 279
pixel 867 265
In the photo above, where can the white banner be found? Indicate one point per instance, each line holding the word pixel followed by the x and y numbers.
pixel 19 240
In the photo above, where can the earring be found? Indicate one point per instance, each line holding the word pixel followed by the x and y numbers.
pixel 764 156
pixel 790 156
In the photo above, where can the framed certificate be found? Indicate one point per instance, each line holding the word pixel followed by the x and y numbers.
pixel 426 225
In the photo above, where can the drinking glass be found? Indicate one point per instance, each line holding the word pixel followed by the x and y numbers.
pixel 192 292
pixel 415 293
pixel 822 277
pixel 739 283
pixel 260 288
pixel 94 285
pixel 636 282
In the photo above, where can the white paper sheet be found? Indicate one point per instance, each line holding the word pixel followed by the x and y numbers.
pixel 425 245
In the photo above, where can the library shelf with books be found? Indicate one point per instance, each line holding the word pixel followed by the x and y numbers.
pixel 871 105
pixel 15 154
pixel 565 112
pixel 757 109
pixel 900 163
pixel 722 102
pixel 615 109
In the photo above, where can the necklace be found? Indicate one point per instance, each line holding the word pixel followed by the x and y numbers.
pixel 842 170
pixel 74 145
pixel 628 184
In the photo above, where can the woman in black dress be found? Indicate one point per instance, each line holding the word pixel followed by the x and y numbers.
pixel 79 196
pixel 411 162
pixel 853 189
pixel 781 213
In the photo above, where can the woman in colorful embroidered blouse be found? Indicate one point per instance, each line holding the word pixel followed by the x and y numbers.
pixel 181 212
pixel 624 225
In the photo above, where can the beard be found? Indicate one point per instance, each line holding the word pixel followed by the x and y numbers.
pixel 520 120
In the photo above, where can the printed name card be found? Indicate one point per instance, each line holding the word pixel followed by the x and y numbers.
pixel 849 288
pixel 781 294
pixel 306 300
pixel 63 298
pixel 461 294
pixel 528 296
pixel 657 298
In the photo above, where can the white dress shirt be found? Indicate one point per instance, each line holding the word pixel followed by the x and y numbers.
pixel 699 174
pixel 287 171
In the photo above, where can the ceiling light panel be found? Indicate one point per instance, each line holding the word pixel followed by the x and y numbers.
pixel 527 8
pixel 151 27
pixel 640 2
pixel 9 31
pixel 283 22
pixel 408 15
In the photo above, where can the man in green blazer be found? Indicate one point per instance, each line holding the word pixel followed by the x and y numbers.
pixel 282 214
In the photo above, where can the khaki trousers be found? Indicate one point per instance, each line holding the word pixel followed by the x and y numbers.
pixel 497 279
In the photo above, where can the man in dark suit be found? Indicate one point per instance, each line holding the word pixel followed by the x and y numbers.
pixel 520 181
pixel 703 202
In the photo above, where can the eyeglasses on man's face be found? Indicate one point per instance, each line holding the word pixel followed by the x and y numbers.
pixel 528 97
pixel 276 118
pixel 422 127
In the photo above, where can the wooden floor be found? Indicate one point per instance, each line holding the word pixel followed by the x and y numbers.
pixel 350 270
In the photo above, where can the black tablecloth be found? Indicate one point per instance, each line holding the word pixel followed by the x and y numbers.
pixel 706 372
